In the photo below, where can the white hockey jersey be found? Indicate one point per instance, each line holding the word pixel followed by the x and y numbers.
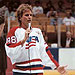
pixel 33 55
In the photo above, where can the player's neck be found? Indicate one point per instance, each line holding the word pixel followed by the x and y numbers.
pixel 24 26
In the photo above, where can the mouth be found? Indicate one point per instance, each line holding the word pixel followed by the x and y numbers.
pixel 29 21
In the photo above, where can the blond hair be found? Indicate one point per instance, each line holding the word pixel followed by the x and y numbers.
pixel 21 9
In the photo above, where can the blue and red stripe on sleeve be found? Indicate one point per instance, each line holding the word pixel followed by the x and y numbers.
pixel 51 56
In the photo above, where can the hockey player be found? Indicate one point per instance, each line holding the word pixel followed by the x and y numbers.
pixel 26 48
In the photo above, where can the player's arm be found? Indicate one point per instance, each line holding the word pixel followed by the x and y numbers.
pixel 16 39
pixel 51 57
pixel 13 45
pixel 46 55
pixel 60 69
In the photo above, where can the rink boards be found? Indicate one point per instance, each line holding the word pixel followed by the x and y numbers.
pixel 55 72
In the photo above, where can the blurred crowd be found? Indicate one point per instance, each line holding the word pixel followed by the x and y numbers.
pixel 49 9
pixel 61 12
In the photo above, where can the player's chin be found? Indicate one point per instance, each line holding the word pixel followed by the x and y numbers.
pixel 29 21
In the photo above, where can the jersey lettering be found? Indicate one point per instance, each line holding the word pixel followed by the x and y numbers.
pixel 32 37
pixel 11 39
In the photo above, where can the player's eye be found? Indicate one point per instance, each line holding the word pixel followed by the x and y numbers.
pixel 28 15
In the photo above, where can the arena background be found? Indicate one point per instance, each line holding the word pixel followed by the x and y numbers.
pixel 64 56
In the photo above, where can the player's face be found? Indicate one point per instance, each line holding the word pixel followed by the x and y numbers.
pixel 26 18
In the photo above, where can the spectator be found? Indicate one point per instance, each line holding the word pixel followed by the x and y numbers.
pixel 69 41
pixel 52 15
pixel 51 12
pixel 73 11
pixel 48 5
pixel 37 9
pixel 68 20
pixel 57 19
pixel 9 15
pixel 28 2
pixel 3 60
pixel 15 6
pixel 53 21
pixel 2 10
pixel 70 1
pixel 1 3
pixel 60 6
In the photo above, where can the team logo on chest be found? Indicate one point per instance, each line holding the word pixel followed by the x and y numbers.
pixel 31 42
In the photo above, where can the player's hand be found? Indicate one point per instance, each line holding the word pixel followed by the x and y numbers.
pixel 61 69
pixel 27 32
